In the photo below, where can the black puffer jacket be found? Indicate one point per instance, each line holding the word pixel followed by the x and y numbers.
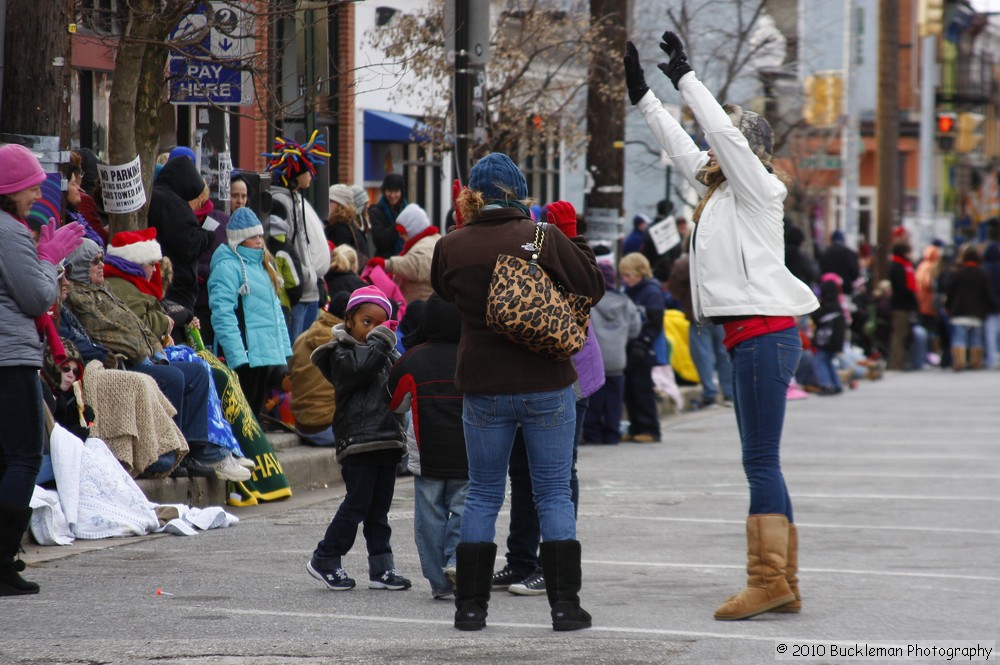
pixel 424 381
pixel 177 229
pixel 359 373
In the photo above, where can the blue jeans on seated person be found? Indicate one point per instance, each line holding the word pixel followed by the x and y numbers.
pixel 548 422
pixel 438 504
pixel 322 438
pixel 762 369
pixel 826 373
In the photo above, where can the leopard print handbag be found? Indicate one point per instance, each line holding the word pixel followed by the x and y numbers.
pixel 527 307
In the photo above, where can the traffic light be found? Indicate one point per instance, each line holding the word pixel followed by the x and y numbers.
pixel 930 17
pixel 823 99
pixel 970 132
pixel 946 121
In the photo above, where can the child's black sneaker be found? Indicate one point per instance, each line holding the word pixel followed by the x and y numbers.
pixel 503 578
pixel 390 580
pixel 533 585
pixel 335 579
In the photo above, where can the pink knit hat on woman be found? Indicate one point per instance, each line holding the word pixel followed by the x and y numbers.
pixel 19 169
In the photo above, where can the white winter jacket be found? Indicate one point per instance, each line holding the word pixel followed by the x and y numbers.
pixel 306 234
pixel 737 257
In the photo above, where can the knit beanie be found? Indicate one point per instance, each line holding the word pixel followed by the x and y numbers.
pixel 413 219
pixel 608 272
pixel 243 224
pixel 342 194
pixel 139 247
pixel 181 151
pixel 370 294
pixel 755 128
pixel 360 197
pixel 19 169
pixel 393 181
pixel 497 177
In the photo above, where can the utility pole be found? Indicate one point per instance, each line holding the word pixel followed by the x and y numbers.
pixel 850 134
pixel 887 131
pixel 463 89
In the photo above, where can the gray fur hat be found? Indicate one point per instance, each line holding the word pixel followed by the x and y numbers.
pixel 755 128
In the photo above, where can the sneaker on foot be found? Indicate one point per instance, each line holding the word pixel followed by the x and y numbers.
pixel 452 574
pixel 443 595
pixel 533 585
pixel 503 578
pixel 246 462
pixel 390 580
pixel 335 580
pixel 228 468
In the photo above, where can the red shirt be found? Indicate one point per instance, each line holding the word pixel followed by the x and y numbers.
pixel 754 326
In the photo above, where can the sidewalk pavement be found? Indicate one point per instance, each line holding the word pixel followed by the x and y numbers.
pixel 896 488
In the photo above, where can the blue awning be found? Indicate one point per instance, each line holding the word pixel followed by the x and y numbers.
pixel 392 127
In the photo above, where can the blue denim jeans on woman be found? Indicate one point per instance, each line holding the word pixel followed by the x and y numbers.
pixel 438 504
pixel 548 422
pixel 762 369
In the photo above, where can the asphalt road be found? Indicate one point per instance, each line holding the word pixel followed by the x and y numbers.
pixel 897 495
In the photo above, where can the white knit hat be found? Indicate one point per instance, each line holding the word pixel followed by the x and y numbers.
pixel 342 194
pixel 413 219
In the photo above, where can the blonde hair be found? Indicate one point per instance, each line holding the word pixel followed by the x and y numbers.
pixel 344 259
pixel 471 202
pixel 345 213
pixel 635 263
pixel 272 272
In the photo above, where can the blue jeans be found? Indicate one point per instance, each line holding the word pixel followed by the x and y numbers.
pixel 548 421
pixel 826 373
pixel 710 356
pixel 603 422
pixel 969 336
pixel 991 328
pixel 303 315
pixel 438 504
pixel 762 369
pixel 370 488
pixel 524 535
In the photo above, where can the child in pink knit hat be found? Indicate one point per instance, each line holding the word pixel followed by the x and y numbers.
pixel 369 439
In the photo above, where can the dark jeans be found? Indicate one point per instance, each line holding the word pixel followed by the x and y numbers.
pixel 640 400
pixel 525 532
pixel 762 369
pixel 603 422
pixel 186 387
pixel 369 494
pixel 21 435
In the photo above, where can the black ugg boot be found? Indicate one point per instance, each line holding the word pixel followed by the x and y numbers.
pixel 474 580
pixel 13 521
pixel 561 563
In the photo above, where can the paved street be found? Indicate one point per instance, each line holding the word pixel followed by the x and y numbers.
pixel 897 496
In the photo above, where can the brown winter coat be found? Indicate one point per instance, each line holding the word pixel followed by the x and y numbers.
pixel 313 402
pixel 461 271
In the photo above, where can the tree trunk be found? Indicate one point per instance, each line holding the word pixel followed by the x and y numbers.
pixel 606 113
pixel 887 132
pixel 36 63
pixel 135 98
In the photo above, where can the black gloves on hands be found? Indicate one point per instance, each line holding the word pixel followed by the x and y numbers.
pixel 635 79
pixel 678 65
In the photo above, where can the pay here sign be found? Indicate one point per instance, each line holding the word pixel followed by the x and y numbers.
pixel 207 68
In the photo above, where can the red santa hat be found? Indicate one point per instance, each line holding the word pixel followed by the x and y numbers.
pixel 136 246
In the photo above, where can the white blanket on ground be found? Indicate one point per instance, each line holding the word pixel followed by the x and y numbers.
pixel 98 499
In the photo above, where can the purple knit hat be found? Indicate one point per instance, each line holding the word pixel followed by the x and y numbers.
pixel 373 295
pixel 19 169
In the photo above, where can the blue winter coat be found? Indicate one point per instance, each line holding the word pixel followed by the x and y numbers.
pixel 260 336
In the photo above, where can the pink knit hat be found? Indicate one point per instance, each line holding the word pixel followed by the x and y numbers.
pixel 19 169
pixel 373 295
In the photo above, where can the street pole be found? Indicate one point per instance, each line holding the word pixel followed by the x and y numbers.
pixel 887 131
pixel 462 96
pixel 928 108
pixel 850 133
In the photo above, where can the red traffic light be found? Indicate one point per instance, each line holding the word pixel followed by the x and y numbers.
pixel 946 123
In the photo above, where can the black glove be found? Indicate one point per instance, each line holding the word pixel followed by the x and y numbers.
pixel 678 64
pixel 635 80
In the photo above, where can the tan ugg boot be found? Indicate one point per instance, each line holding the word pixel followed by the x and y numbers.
pixel 792 573
pixel 975 357
pixel 767 588
pixel 958 358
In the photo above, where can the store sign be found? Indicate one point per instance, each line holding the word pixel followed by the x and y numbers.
pixel 208 71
